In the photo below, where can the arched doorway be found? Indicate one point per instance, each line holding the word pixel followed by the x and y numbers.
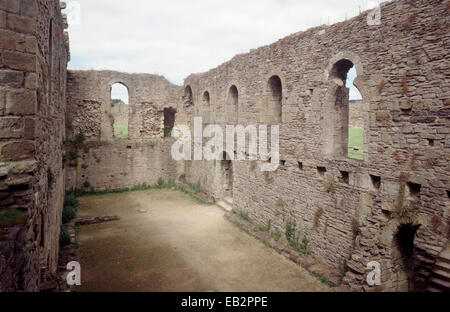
pixel 404 242
pixel 119 96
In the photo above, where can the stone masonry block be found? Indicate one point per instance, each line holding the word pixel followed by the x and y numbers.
pixel 21 24
pixel 30 44
pixel 31 81
pixel 11 78
pixel 17 150
pixel 7 40
pixel 20 42
pixel 29 129
pixel 11 127
pixel 2 19
pixel 383 116
pixel 2 102
pixel 10 5
pixel 21 102
pixel 20 61
pixel 29 8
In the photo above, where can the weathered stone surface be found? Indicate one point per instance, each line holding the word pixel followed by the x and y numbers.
pixel 20 61
pixel 30 44
pixel 18 150
pixel 21 102
pixel 19 180
pixel 2 19
pixel 21 24
pixel 11 127
pixel 383 116
pixel 21 167
pixel 3 170
pixel 29 8
pixel 31 81
pixel 11 78
pixel 10 5
pixel 7 40
pixel 29 129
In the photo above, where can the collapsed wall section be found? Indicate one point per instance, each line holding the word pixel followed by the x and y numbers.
pixel 107 162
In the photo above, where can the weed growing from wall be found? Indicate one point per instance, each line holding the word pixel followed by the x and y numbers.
pixel 11 217
pixel 70 207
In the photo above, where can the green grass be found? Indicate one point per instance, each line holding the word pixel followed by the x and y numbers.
pixel 356 138
pixel 143 187
pixel 121 131
pixel 322 279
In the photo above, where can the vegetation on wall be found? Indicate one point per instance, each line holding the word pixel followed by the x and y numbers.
pixel 329 186
pixel 70 207
pixel 317 216
pixel 11 218
pixel 403 209
pixel 294 239
pixel 355 227
pixel 64 237
pixel 267 177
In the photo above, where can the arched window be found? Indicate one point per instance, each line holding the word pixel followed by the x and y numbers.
pixel 120 109
pixel 206 100
pixel 275 98
pixel 188 98
pixel 349 119
pixel 233 96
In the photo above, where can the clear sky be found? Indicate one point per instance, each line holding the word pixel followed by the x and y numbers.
pixel 175 38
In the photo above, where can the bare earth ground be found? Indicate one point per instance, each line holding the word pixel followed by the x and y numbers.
pixel 178 245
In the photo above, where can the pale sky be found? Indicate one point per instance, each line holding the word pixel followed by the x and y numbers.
pixel 175 38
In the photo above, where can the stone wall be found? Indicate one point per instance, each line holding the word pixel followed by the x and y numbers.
pixel 348 209
pixel 122 164
pixel 112 163
pixel 33 58
pixel 89 98
pixel 351 211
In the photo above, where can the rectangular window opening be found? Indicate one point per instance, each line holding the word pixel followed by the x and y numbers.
pixel 376 181
pixel 414 189
pixel 345 177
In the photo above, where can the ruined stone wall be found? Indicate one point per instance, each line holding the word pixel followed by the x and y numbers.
pixel 122 164
pixel 349 209
pixel 33 58
pixel 89 98
pixel 113 163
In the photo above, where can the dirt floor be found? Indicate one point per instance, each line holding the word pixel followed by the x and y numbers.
pixel 177 245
